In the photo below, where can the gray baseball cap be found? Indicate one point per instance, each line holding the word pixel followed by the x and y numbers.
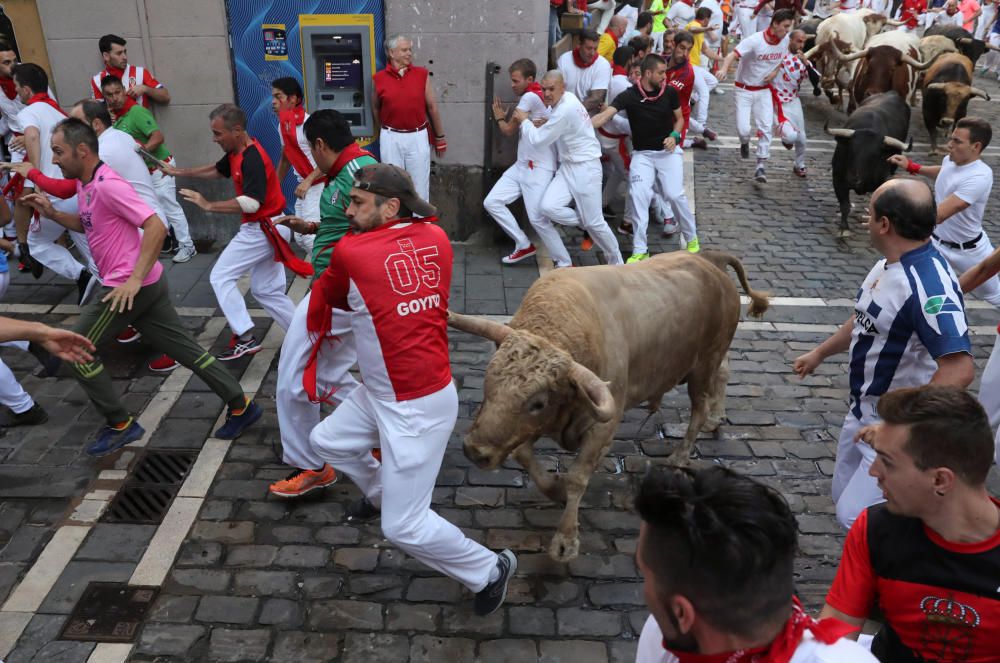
pixel 392 182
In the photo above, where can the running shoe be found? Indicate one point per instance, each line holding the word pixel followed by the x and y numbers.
pixel 694 246
pixel 113 438
pixel 799 172
pixel 362 510
pixel 238 420
pixel 709 134
pixel 519 255
pixel 163 364
pixel 300 482
pixel 759 175
pixel 670 226
pixel 33 416
pixel 238 348
pixel 636 257
pixel 586 243
pixel 130 334
pixel 625 228
pixel 184 254
pixel 492 596
pixel 744 150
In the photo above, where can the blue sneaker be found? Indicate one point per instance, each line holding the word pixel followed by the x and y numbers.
pixel 110 440
pixel 237 423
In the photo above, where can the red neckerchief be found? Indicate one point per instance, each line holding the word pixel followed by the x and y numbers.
pixel 395 72
pixel 578 60
pixel 288 120
pixel 347 155
pixel 782 648
pixel 537 89
pixel 126 107
pixel 44 98
pixel 769 37
pixel 114 71
pixel 618 70
pixel 611 33
pixel 645 96
pixel 9 87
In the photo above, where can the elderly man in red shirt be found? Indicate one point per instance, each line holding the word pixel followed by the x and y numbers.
pixel 406 108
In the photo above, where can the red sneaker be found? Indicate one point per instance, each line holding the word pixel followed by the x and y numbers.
pixel 519 255
pixel 130 334
pixel 163 364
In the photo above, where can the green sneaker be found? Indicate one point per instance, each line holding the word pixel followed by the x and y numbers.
pixel 636 257
pixel 694 246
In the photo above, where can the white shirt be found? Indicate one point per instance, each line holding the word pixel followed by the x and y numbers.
pixel 300 138
pixel 44 118
pixel 539 157
pixel 581 81
pixel 758 58
pixel 117 149
pixel 972 183
pixel 569 128
pixel 680 14
pixel 9 108
pixel 650 649
pixel 619 123
pixel 942 18
pixel 631 15
pixel 848 6
pixel 715 36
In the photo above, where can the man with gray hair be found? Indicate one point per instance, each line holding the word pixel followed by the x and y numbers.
pixel 259 248
pixel 406 108
pixel 579 175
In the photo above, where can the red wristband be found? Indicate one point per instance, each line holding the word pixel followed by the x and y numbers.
pixel 912 167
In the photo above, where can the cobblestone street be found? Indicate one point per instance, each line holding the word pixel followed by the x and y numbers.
pixel 258 579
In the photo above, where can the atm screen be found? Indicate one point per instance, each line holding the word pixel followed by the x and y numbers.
pixel 341 72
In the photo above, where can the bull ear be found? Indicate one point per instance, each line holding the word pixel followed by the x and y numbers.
pixel 596 391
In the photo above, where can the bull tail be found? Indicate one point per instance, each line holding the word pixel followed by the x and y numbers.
pixel 758 299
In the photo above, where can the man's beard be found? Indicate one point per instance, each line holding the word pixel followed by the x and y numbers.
pixel 685 642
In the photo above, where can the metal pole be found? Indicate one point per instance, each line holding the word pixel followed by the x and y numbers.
pixel 492 69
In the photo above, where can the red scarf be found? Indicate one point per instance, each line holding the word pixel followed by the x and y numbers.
pixel 783 647
pixel 9 87
pixel 319 321
pixel 611 33
pixel 347 155
pixel 44 98
pixel 288 121
pixel 537 89
pixel 282 251
pixel 769 37
pixel 618 70
pixel 113 71
pixel 578 59
pixel 126 107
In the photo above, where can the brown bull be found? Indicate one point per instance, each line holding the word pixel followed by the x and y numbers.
pixel 947 90
pixel 588 343
pixel 883 68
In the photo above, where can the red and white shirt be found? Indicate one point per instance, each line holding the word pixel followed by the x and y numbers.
pixel 758 58
pixel 131 76
pixel 786 83
pixel 396 280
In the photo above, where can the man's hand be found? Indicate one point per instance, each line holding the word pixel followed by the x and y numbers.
pixel 866 434
pixel 7 246
pixel 898 160
pixel 302 190
pixel 22 168
pixel 193 196
pixel 440 145
pixel 137 91
pixel 170 171
pixel 669 144
pixel 67 345
pixel 121 298
pixel 297 224
pixel 16 143
pixel 770 77
pixel 39 203
pixel 539 122
pixel 520 115
pixel 807 363
pixel 499 112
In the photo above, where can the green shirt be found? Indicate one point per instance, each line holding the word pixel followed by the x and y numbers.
pixel 658 19
pixel 332 205
pixel 140 124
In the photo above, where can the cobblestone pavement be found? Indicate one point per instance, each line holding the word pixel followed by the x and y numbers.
pixel 260 579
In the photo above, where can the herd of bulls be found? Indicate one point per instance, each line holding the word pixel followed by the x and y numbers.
pixel 881 72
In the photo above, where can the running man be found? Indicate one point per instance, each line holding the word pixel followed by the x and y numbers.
pixel 286 102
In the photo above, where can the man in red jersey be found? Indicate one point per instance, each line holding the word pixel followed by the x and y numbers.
pixel 406 108
pixel 393 273
pixel 139 82
pixel 929 556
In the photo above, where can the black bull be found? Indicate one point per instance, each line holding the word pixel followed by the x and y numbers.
pixel 966 44
pixel 873 132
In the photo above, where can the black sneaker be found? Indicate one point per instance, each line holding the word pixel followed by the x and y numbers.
pixel 362 510
pixel 492 596
pixel 744 150
pixel 759 175
pixel 33 417
pixel 50 363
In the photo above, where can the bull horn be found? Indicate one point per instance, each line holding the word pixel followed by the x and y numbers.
pixel 808 55
pixel 472 324
pixel 850 57
pixel 838 133
pixel 894 23
pixel 914 63
pixel 599 397
pixel 894 142
pixel 976 92
pixel 935 86
pixel 992 47
pixel 964 41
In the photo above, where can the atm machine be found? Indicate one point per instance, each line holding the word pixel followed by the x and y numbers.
pixel 338 65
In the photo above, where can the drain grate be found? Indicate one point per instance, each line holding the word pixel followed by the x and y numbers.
pixel 150 488
pixel 109 612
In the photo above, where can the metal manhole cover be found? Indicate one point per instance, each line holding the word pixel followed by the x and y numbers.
pixel 150 488
pixel 163 467
pixel 109 612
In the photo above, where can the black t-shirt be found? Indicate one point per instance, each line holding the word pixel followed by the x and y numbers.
pixel 254 173
pixel 651 120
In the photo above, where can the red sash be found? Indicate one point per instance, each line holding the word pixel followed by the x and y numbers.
pixel 537 89
pixel 43 97
pixel 578 60
pixel 282 251
pixel 288 120
pixel 9 87
pixel 778 111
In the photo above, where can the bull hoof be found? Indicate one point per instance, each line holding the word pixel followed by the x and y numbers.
pixel 564 548
pixel 711 425
pixel 844 233
pixel 679 458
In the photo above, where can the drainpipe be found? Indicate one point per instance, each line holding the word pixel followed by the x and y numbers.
pixel 492 69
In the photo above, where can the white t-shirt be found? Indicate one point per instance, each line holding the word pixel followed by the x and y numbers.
pixel 540 157
pixel 44 118
pixel 972 183
pixel 569 128
pixel 680 14
pixel 758 58
pixel 9 108
pixel 619 123
pixel 650 649
pixel 117 149
pixel 631 15
pixel 942 18
pixel 713 38
pixel 581 81
pixel 848 6
pixel 300 138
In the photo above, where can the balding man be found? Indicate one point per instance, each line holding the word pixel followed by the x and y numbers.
pixel 579 175
pixel 406 108
pixel 609 40
pixel 908 329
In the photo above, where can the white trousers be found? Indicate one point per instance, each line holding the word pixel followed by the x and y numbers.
pixel 412 153
pixel 297 416
pixel 165 188
pixel 748 24
pixel 665 169
pixel 250 252
pixel 580 182
pixel 413 435
pixel 989 393
pixel 657 45
pixel 42 235
pixel 961 260
pixel 760 104
pixel 991 58
pixel 613 167
pixel 308 208
pixel 704 83
pixel 854 490
pixel 521 181
pixel 11 393
pixel 793 113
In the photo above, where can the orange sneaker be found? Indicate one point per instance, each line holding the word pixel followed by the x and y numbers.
pixel 586 244
pixel 377 454
pixel 300 482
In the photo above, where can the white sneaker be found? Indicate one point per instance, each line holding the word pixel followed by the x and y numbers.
pixel 670 226
pixel 718 90
pixel 185 253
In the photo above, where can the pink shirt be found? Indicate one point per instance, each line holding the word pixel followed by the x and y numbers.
pixel 112 213
pixel 968 8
